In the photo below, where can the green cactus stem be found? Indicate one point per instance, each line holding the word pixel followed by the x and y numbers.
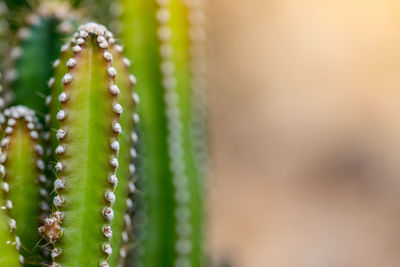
pixel 39 47
pixel 21 157
pixel 88 153
pixel 156 209
pixel 167 39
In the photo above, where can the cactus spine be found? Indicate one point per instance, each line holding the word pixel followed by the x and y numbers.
pixel 172 227
pixel 23 166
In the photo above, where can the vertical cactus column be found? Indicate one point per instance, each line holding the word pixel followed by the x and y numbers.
pixel 155 213
pixel 89 151
pixel 183 33
pixel 39 47
pixel 21 157
pixel 167 39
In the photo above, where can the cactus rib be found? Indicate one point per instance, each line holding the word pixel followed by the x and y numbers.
pixel 168 49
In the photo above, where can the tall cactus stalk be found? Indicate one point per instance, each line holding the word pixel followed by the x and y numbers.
pixel 90 151
pixel 166 38
pixel 21 157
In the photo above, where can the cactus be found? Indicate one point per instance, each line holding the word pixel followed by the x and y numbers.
pixel 88 151
pixel 23 166
pixel 166 48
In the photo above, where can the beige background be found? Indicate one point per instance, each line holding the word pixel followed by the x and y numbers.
pixel 305 119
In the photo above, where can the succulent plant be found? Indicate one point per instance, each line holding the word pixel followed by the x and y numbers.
pixel 120 192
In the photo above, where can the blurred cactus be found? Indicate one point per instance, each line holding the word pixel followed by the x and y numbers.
pixel 83 94
pixel 38 46
pixel 166 39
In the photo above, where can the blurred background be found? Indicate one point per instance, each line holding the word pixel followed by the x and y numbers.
pixel 305 119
